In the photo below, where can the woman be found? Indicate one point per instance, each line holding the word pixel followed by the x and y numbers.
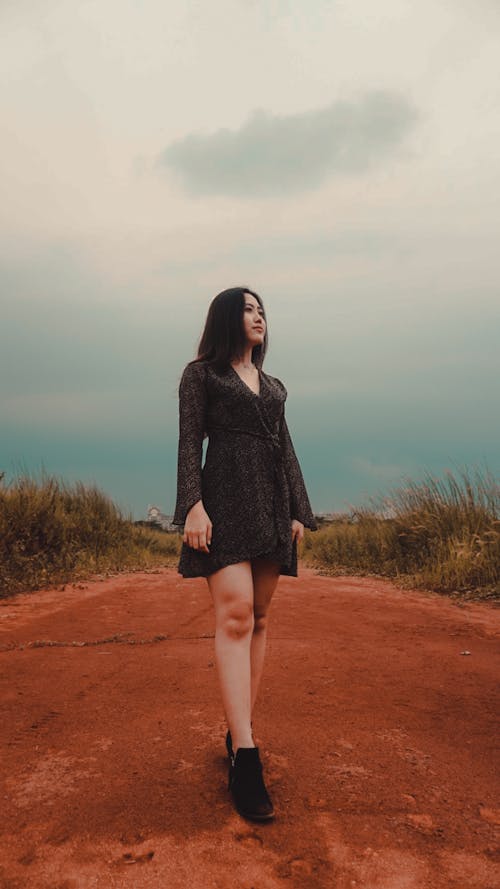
pixel 243 512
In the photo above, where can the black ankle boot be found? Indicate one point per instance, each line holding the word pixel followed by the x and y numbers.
pixel 247 787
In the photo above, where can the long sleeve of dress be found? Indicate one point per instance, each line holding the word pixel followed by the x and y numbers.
pixel 300 505
pixel 192 422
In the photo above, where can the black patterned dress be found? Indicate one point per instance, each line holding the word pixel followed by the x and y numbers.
pixel 251 483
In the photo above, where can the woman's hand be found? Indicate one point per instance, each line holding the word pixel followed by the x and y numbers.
pixel 297 530
pixel 198 528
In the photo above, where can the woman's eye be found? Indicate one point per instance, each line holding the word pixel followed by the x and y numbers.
pixel 250 309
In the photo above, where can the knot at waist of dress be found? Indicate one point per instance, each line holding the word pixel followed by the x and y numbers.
pixel 271 438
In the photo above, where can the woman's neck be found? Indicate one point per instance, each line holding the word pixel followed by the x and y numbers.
pixel 245 360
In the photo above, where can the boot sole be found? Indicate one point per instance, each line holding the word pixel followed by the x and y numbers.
pixel 253 817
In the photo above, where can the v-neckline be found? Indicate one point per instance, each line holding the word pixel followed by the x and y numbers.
pixel 256 394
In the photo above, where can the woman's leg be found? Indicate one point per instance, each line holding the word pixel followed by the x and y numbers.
pixel 233 595
pixel 265 579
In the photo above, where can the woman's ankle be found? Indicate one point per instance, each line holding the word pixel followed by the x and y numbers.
pixel 242 739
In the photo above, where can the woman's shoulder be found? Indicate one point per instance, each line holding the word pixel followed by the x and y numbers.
pixel 194 370
pixel 276 381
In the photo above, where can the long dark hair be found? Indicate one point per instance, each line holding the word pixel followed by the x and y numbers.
pixel 223 337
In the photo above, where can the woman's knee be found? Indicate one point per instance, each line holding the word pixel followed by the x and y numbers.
pixel 260 621
pixel 237 619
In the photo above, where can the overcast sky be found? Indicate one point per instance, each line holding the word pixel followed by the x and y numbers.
pixel 341 158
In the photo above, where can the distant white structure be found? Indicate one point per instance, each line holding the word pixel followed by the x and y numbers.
pixel 156 517
pixel 330 516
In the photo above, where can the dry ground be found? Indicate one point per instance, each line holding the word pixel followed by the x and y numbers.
pixel 376 723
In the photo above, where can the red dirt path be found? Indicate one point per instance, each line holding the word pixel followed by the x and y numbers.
pixel 376 732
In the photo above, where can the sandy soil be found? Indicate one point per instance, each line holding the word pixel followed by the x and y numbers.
pixel 376 723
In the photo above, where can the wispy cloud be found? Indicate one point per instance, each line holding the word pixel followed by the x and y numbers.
pixel 383 471
pixel 280 154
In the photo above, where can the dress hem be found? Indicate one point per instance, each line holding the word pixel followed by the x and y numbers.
pixel 285 568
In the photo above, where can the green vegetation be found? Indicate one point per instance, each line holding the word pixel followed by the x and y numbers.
pixel 441 535
pixel 52 533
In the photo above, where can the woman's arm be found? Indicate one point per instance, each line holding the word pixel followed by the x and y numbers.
pixel 299 500
pixel 192 424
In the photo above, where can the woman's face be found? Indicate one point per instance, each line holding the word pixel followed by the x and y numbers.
pixel 254 324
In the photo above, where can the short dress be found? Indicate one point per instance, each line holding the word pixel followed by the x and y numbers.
pixel 251 483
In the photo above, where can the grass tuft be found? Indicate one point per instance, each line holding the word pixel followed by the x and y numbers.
pixel 52 532
pixel 441 534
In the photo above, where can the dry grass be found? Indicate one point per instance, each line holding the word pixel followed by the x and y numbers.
pixel 437 534
pixel 52 532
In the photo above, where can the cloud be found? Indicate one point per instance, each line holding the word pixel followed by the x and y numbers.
pixel 382 471
pixel 280 154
